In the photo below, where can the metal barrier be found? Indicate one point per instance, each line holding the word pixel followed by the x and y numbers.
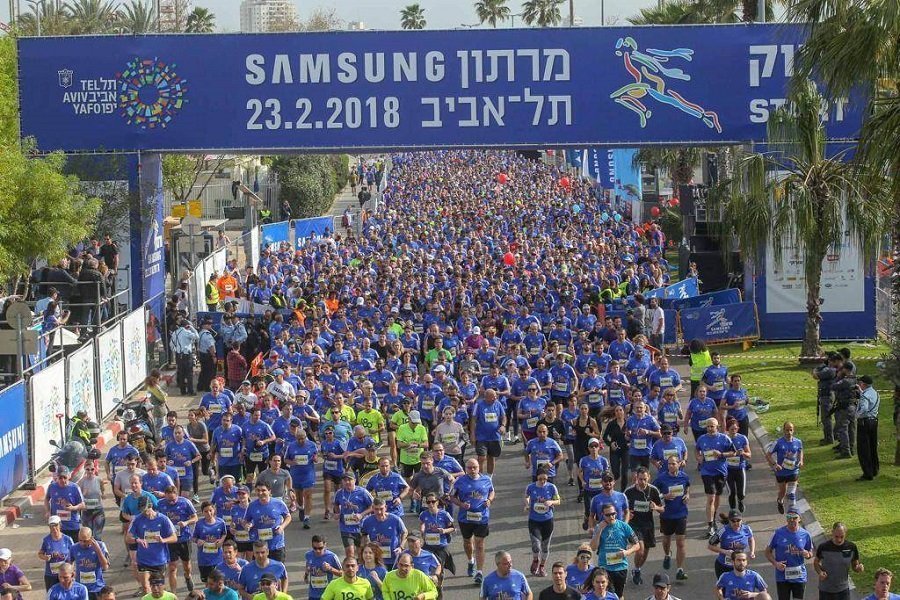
pixel 884 308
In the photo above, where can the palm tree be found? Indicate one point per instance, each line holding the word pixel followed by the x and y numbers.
pixel 55 19
pixel 412 17
pixel 701 11
pixel 492 11
pixel 543 13
pixel 796 196
pixel 92 16
pixel 137 17
pixel 200 21
pixel 852 44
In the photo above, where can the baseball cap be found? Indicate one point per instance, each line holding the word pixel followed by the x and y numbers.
pixel 608 477
pixel 476 330
pixel 267 577
pixel 278 372
pixel 867 379
pixel 792 512
pixel 666 428
pixel 347 475
pixel 246 382
pixel 63 470
pixel 54 520
pixel 415 417
pixel 661 580
pixel 224 477
pixel 735 514
pixel 593 441
pixel 5 554
pixel 440 369
pixel 243 488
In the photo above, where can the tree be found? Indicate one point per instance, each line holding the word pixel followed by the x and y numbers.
pixel 322 19
pixel 308 182
pixel 701 11
pixel 492 11
pixel 543 13
pixel 137 17
pixel 55 19
pixel 855 44
pixel 92 16
pixel 182 173
pixel 201 20
pixel 412 17
pixel 798 197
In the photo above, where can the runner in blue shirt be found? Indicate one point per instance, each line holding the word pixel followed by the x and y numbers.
pixel 596 585
pixel 543 452
pixel 593 390
pixel 54 551
pixel 486 427
pixel 209 535
pixel 607 495
pixel 351 505
pixel 90 559
pixel 668 445
pixel 642 431
pixel 617 385
pixel 712 450
pixel 591 469
pixel 741 582
pixel 715 377
pixel 699 411
pixel 674 486
pixel 734 536
pixel 152 532
pixel 578 572
pixel 669 411
pixel 786 460
pixel 473 493
pixel 565 380
pixel 505 583
pixel 117 456
pixel 436 525
pixel 182 454
pixel 386 530
pixel 540 498
pixel 64 500
pixel 231 565
pixel 424 560
pixel 67 588
pixel 269 518
pixel 252 572
pixel 530 409
pixel 789 549
pixel 214 403
pixel 883 578
pixel 183 516
pixel 257 437
pixel 614 541
pixel 389 486
pixel 734 402
pixel 322 565
pixel 737 466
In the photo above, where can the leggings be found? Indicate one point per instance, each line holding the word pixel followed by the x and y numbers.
pixel 737 486
pixel 618 460
pixel 540 533
pixel 570 459
pixel 587 500
pixel 512 406
pixel 95 519
pixel 578 453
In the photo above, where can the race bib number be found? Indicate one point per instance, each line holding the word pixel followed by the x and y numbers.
pixel 387 552
pixel 473 516
pixel 703 422
pixel 670 417
pixel 181 471
pixel 65 515
pixel 331 465
pixel 385 495
pixel 242 536
pixel 54 566
pixel 561 386
pixel 87 577
pixel 152 537
pixel 793 573
pixel 718 386
pixel 595 484
pixel 302 459
pixel 540 508
pixel 256 457
pixel 671 452
pixel 709 455
pixel 641 506
pixel 92 503
pixel 616 393
pixel 226 452
pixel 215 408
pixel 676 491
pixel 541 462
pixel 614 558
pixel 210 548
pixel 449 439
pixel 733 461
pixel 318 581
pixel 639 444
pixel 490 417
pixel 727 560
pixel 351 519
pixel 531 423
pixel 594 398
pixel 428 404
pixel 265 534
pixel 228 520
pixel 788 464
pixel 665 382
pixel 433 539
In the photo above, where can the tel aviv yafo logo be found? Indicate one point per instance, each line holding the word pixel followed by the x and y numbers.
pixel 150 93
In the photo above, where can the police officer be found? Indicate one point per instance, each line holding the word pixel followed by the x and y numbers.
pixel 867 429
pixel 206 351
pixel 825 375
pixel 182 343
pixel 846 400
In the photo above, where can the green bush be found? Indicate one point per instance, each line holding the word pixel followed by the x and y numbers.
pixel 309 182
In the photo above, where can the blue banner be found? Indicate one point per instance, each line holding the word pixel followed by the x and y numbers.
pixel 323 91
pixel 729 296
pixel 13 439
pixel 686 288
pixel 627 175
pixel 720 323
pixel 275 233
pixel 602 167
pixel 151 260
pixel 305 228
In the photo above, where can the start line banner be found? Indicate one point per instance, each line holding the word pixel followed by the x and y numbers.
pixel 716 324
pixel 326 91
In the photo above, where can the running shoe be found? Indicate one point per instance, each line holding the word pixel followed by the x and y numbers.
pixel 534 566
pixel 741 505
pixel 479 577
pixel 305 522
pixel 711 531
pixel 471 571
pixel 636 577
pixel 541 572
pixel 571 482
pixel 781 507
pixel 196 498
pixel 667 562
pixel 681 575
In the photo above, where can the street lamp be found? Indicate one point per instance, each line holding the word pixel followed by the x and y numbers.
pixel 37 12
pixel 512 19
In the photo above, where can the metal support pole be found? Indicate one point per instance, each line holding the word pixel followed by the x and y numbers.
pixel 761 11
pixel 571 13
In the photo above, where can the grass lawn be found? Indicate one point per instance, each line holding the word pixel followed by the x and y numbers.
pixel 871 509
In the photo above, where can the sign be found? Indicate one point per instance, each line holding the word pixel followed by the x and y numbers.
pixel 48 399
pixel 179 210
pixel 713 324
pixel 81 383
pixel 324 91
pixel 729 296
pixel 195 208
pixel 686 288
pixel 315 227
pixel 134 346
pixel 152 263
pixel 112 377
pixel 13 439
pixel 275 233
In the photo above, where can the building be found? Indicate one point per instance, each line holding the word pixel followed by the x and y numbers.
pixel 258 16
pixel 356 26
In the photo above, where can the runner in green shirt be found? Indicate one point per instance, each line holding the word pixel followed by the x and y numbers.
pixel 412 439
pixel 407 582
pixel 349 586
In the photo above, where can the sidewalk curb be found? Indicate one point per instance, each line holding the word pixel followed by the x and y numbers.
pixel 809 520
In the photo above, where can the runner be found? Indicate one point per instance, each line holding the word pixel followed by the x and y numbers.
pixel 388 486
pixel 181 513
pixel 883 579
pixel 674 485
pixel 473 493
pixel 737 466
pixel 226 448
pixel 543 452
pixel 321 567
pixel 540 499
pixel 607 495
pixel 90 558
pixel 596 586
pixel 301 457
pixel 614 541
pixel 734 536
pixel 786 459
pixel 740 582
pixel 351 505
pixel 385 529
pixel 789 549
pixel 65 501
pixel 423 560
pixel 591 469
pixel 252 572
pixel 643 501
pixel 54 551
pixel 833 562
pixel 712 451
pixel 486 429
pixel 372 568
pixel 231 565
pixel 577 572
pixel 268 518
pixel 151 533
pixel 506 582
pixel 560 589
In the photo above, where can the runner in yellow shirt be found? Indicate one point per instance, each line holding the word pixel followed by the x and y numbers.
pixel 412 439
pixel 407 582
pixel 372 420
pixel 349 586
pixel 269 589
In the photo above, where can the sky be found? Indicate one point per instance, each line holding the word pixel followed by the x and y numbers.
pixel 385 14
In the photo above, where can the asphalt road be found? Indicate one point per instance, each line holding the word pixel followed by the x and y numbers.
pixel 508 532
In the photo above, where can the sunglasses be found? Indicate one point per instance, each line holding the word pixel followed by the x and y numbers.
pixel 431 502
pixel 612 514
pixel 735 520
pixel 318 548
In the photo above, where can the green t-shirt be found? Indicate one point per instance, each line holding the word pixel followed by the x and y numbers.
pixel 372 420
pixel 432 355
pixel 417 582
pixel 419 436
pixel 278 596
pixel 165 596
pixel 399 418
pixel 339 589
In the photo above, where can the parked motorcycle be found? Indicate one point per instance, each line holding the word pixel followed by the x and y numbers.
pixel 136 416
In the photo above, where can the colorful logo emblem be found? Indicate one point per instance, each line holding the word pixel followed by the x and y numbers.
pixel 650 72
pixel 150 93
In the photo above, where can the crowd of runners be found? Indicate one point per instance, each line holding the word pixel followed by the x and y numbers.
pixel 466 322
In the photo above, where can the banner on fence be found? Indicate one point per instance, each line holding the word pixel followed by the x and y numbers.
pixel 306 228
pixel 275 233
pixel 713 324
pixel 686 288
pixel 199 286
pixel 81 382
pixel 219 261
pixel 112 382
pixel 13 439
pixel 254 247
pixel 48 399
pixel 134 355
pixel 729 296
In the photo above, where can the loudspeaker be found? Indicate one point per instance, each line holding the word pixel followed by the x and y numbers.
pixel 712 269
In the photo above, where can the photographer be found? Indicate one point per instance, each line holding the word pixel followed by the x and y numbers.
pixel 825 375
pixel 846 400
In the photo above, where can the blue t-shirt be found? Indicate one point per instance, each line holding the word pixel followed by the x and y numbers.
pixel 592 469
pixel 315 568
pixel 715 377
pixel 129 504
pixel 610 595
pixel 662 450
pixel 61 498
pixel 533 409
pixel 76 592
pixel 351 503
pixel 232 574
pixel 58 551
pixel 253 434
pixel 594 387
pixel 303 456
pixel 537 498
pixel 729 539
pixel 615 538
pixel 265 518
pixel 674 508
pixel 425 561
pixel 488 419
pixel 223 501
pixel 333 466
pixel 740 443
pixel 365 573
pixel 117 456
pixel 543 453
pixel 707 446
pixel 156 554
pixel 216 406
pixel 181 456
pixel 617 499
pixel 252 573
pixel 512 587
pixel 210 552
pixel 156 483
pixel 87 565
pixel 434 523
pixel 701 410
pixel 787 454
pixel 665 379
pixel 575 577
pixel 385 533
pixel 736 403
pixel 228 444
pixel 730 583
pixel 641 445
pixel 388 487
pixel 788 547
pixel 179 510
pixel 475 493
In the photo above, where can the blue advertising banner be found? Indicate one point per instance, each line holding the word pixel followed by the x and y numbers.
pixel 720 323
pixel 305 228
pixel 150 261
pixel 729 296
pixel 274 233
pixel 627 175
pixel 602 167
pixel 322 91
pixel 13 439
pixel 686 288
